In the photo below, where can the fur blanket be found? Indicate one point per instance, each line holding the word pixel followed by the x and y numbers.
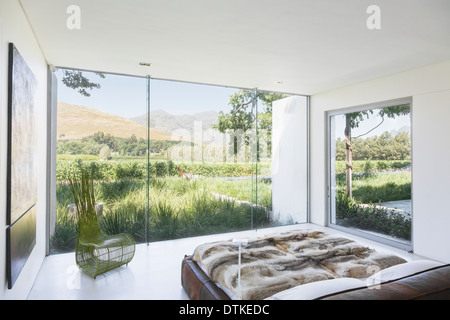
pixel 282 261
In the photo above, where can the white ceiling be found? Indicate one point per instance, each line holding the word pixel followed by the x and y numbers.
pixel 310 46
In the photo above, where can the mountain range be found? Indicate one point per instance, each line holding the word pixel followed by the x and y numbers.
pixel 166 122
pixel 76 122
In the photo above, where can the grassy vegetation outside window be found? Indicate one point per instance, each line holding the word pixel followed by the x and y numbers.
pixel 178 207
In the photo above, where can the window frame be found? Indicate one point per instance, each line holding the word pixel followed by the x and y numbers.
pixel 329 194
pixel 51 137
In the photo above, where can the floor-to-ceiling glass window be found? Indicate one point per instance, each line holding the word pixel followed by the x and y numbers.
pixel 175 159
pixel 204 179
pixel 97 131
pixel 229 147
pixel 370 171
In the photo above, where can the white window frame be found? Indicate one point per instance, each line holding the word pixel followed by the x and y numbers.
pixel 330 193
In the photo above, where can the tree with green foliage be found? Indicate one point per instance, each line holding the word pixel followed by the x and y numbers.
pixel 242 116
pixel 239 119
pixel 380 147
pixel 352 121
pixel 76 80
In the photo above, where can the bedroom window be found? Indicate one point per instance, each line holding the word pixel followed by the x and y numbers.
pixel 370 171
pixel 222 174
pixel 210 185
pixel 176 159
pixel 97 129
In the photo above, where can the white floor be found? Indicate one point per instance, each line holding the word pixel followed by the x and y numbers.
pixel 153 274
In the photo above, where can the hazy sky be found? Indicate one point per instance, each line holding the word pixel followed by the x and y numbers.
pixel 127 96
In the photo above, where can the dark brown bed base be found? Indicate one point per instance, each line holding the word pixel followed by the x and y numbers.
pixel 197 284
pixel 430 284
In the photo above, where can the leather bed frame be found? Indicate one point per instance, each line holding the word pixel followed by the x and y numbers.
pixel 197 284
pixel 430 284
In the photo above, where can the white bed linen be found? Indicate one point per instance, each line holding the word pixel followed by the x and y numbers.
pixel 318 289
pixel 401 270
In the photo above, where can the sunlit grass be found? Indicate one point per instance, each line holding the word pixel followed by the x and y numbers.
pixel 381 187
pixel 177 208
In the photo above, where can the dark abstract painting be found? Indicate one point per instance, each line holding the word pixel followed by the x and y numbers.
pixel 21 239
pixel 22 164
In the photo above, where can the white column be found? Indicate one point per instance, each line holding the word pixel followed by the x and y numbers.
pixel 289 159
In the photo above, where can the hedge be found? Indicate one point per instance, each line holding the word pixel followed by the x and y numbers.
pixel 110 170
pixel 370 166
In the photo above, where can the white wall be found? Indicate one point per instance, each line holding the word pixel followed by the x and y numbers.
pixel 289 164
pixel 431 175
pixel 429 88
pixel 14 28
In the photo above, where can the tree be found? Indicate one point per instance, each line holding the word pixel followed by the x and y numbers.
pixel 242 115
pixel 239 119
pixel 265 117
pixel 76 80
pixel 352 121
pixel 107 139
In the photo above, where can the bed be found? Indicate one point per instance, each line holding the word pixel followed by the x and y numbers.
pixel 304 264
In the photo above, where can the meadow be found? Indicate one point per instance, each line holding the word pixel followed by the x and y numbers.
pixel 214 202
pixel 177 207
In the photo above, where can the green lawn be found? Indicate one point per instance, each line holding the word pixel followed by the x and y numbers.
pixel 379 187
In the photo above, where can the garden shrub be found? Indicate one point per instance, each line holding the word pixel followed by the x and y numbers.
pixel 372 218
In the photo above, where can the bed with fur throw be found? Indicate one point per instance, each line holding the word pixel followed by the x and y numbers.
pixel 282 261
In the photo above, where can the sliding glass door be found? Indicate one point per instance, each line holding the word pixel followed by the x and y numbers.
pixel 370 171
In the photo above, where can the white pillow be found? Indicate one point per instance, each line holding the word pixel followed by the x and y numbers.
pixel 317 289
pixel 401 270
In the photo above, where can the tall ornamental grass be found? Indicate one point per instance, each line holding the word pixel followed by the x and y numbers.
pixel 177 208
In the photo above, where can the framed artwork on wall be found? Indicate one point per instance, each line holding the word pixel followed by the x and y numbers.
pixel 21 239
pixel 22 164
